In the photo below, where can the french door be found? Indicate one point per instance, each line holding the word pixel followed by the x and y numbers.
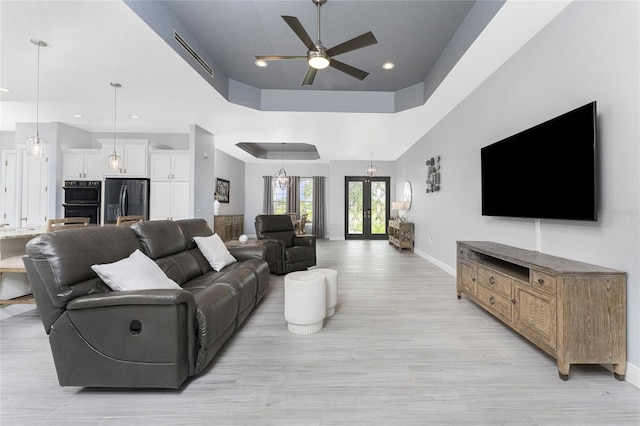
pixel 366 207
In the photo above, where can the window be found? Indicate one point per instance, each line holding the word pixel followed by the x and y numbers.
pixel 305 193
pixel 306 197
pixel 279 197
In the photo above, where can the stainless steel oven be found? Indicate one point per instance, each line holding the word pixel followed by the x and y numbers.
pixel 82 199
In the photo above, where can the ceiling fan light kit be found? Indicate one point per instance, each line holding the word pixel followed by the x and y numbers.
pixel 318 57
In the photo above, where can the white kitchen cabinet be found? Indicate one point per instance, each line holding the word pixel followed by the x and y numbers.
pixel 169 200
pixel 134 157
pixel 169 165
pixel 169 172
pixel 82 164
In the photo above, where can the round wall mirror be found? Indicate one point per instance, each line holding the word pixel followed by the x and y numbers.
pixel 407 195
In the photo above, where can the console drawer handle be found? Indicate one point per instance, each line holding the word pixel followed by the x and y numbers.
pixel 492 280
pixel 540 281
pixel 492 300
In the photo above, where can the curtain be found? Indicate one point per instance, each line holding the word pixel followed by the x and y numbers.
pixel 317 227
pixel 293 195
pixel 267 199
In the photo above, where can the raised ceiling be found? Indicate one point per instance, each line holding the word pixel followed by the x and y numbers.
pixel 412 34
pixel 94 43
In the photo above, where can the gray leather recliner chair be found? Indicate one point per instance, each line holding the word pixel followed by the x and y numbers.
pixel 285 251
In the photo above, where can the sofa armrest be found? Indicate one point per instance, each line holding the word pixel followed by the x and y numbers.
pixel 248 252
pixel 139 297
pixel 305 240
pixel 274 252
pixel 144 326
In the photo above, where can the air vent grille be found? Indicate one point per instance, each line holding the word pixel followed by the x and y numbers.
pixel 193 53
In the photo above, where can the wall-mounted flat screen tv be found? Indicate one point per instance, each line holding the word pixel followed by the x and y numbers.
pixel 547 171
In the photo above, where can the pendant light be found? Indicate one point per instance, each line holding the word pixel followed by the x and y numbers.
pixel 37 146
pixel 113 161
pixel 371 169
pixel 281 175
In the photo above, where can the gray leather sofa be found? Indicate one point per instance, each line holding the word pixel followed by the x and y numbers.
pixel 285 251
pixel 143 338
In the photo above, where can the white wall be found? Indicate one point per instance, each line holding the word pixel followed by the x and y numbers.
pixel 202 150
pixel 589 52
pixel 233 170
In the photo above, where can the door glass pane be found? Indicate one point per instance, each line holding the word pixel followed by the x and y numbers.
pixel 378 207
pixel 355 225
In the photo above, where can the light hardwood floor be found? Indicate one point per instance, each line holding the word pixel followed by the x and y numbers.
pixel 400 350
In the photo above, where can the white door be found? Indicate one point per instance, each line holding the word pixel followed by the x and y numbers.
pixel 35 197
pixel 9 188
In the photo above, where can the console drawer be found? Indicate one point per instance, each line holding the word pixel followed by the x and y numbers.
pixel 495 303
pixel 543 281
pixel 495 281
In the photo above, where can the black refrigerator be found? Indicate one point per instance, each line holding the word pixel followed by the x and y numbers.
pixel 125 197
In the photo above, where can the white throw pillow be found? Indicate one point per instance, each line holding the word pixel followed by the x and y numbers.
pixel 215 251
pixel 136 272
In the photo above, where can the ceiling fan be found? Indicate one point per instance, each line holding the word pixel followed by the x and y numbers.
pixel 318 56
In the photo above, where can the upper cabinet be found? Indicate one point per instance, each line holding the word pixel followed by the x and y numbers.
pixel 134 157
pixel 82 164
pixel 168 165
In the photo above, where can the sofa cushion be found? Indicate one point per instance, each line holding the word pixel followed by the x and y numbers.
pixel 215 251
pixel 194 228
pixel 136 272
pixel 160 238
pixel 181 267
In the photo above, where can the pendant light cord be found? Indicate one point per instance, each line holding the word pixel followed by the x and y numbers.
pixel 37 90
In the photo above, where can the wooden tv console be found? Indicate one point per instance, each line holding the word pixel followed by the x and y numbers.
pixel 574 311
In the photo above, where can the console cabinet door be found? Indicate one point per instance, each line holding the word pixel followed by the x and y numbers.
pixel 467 278
pixel 535 314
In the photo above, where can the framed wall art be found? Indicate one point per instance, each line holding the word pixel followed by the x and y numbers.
pixel 222 190
pixel 433 174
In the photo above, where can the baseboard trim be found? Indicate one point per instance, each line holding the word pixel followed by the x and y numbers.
pixel 448 269
pixel 632 374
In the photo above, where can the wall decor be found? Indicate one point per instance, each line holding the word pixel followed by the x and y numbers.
pixel 222 190
pixel 433 174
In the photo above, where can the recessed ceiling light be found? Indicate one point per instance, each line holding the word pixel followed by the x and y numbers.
pixel 2 89
pixel 388 65
pixel 78 115
pixel 261 63
pixel 135 116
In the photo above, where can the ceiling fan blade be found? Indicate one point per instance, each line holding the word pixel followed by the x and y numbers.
pixel 348 69
pixel 363 40
pixel 311 75
pixel 278 57
pixel 297 28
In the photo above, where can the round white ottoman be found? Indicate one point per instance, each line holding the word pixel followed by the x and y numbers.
pixel 331 280
pixel 304 301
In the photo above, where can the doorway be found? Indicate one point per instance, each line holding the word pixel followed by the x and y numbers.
pixel 367 202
